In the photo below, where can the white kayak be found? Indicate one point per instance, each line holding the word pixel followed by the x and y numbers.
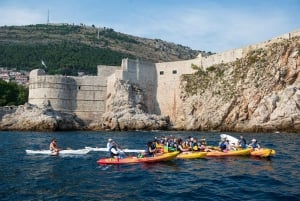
pixel 232 140
pixel 122 150
pixel 64 152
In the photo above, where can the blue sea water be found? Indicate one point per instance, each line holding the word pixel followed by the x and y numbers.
pixel 40 177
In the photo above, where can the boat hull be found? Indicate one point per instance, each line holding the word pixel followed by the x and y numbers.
pixel 264 153
pixel 130 160
pixel 242 152
pixel 191 155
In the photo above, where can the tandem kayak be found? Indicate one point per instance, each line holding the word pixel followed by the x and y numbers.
pixel 264 152
pixel 241 152
pixel 61 152
pixel 191 155
pixel 130 160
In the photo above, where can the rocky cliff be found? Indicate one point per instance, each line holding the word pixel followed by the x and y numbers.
pixel 126 111
pixel 257 93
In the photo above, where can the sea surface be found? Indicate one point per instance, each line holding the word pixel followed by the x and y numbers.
pixel 42 177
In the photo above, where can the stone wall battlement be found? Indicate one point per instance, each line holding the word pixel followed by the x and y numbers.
pixel 232 55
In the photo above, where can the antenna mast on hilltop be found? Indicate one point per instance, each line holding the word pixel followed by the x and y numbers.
pixel 48 17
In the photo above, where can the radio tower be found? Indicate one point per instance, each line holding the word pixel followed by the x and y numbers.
pixel 48 17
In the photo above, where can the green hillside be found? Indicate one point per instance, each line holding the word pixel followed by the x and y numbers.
pixel 67 49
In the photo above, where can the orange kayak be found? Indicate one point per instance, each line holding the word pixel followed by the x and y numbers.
pixel 264 152
pixel 191 155
pixel 130 160
pixel 241 152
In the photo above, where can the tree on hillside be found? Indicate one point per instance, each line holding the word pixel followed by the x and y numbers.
pixel 12 93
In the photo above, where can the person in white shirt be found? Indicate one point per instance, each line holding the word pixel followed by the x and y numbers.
pixel 109 144
pixel 114 152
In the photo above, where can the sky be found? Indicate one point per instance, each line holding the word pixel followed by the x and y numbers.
pixel 207 25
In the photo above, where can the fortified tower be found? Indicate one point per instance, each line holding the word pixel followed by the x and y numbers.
pixel 84 96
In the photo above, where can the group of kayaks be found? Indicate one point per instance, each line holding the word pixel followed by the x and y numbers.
pixel 164 156
pixel 264 153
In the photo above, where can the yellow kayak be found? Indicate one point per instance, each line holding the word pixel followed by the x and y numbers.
pixel 191 155
pixel 241 152
pixel 264 152
pixel 128 160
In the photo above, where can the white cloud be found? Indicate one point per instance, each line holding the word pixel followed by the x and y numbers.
pixel 213 29
pixel 15 16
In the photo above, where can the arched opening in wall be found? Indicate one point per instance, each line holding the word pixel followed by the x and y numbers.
pixel 79 87
pixel 161 72
pixel 174 71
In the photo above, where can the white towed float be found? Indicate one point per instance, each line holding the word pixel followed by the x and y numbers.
pixel 61 152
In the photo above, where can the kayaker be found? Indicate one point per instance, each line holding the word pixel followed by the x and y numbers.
pixel 254 145
pixel 113 150
pixel 180 147
pixel 151 150
pixel 109 144
pixel 223 145
pixel 202 146
pixel 242 142
pixel 195 146
pixel 54 147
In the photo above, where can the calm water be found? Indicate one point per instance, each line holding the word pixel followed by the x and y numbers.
pixel 36 177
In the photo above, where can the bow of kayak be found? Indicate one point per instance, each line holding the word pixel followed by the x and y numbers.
pixel 264 152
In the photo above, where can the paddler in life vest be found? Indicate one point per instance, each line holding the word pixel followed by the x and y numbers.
pixel 223 145
pixel 254 145
pixel 53 147
pixel 180 147
pixel 113 150
pixel 151 149
pixel 195 146
pixel 202 146
pixel 242 142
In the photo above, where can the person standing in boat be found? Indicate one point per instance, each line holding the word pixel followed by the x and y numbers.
pixel 54 147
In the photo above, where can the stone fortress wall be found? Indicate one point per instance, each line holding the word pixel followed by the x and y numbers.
pixel 232 55
pixel 86 96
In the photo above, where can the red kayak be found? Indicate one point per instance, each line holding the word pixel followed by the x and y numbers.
pixel 129 160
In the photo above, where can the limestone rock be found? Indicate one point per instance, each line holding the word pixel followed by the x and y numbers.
pixel 30 117
pixel 260 92
pixel 126 111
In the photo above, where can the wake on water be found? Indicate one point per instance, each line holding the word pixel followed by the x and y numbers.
pixel 104 167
